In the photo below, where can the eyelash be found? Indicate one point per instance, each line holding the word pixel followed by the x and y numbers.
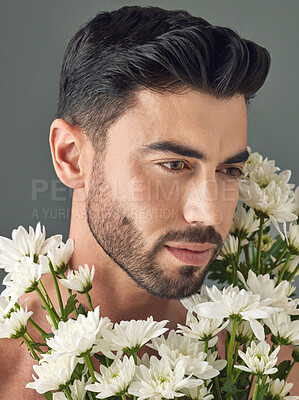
pixel 171 171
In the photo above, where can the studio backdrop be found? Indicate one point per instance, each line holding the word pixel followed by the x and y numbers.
pixel 33 37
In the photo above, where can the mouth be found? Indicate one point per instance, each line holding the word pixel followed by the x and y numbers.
pixel 190 257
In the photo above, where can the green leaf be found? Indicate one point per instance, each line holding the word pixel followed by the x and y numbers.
pixel 283 367
pixel 229 387
pixel 218 272
pixel 48 395
pixel 244 269
pixel 261 392
pixel 103 360
pixel 78 371
pixel 81 310
pixel 70 306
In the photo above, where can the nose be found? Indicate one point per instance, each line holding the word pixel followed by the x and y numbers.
pixel 202 203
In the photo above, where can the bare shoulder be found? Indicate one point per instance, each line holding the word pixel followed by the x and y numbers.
pixel 16 371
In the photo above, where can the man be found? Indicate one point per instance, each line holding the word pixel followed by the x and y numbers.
pixel 151 135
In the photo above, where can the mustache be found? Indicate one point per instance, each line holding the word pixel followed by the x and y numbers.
pixel 192 235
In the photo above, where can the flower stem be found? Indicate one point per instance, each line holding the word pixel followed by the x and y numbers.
pixel 256 388
pixel 45 293
pixel 89 301
pixel 50 311
pixel 283 269
pixel 56 287
pixel 231 348
pixel 90 367
pixel 68 394
pixel 279 258
pixel 30 348
pixel 123 396
pixel 259 245
pixel 37 326
pixel 217 388
pixel 246 250
pixel 294 273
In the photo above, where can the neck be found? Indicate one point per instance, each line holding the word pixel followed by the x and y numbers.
pixel 119 297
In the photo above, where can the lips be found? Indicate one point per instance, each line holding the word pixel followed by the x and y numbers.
pixel 190 257
pixel 191 246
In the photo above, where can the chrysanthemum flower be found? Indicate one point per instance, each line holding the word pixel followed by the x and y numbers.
pixel 77 389
pixel 14 325
pixel 78 337
pixel 113 381
pixel 27 244
pixel 161 381
pixel 233 302
pixel 202 328
pixel 285 330
pixel 80 281
pixel 59 257
pixel 177 347
pixel 258 359
pixel 23 279
pixel 244 222
pixel 266 243
pixel 52 373
pixel 278 390
pixel 198 393
pixel 130 336
pixel 293 238
pixel 275 296
pixel 229 248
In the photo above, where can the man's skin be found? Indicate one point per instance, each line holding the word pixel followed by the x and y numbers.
pixel 121 192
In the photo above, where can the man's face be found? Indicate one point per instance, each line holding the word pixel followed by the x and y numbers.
pixel 166 181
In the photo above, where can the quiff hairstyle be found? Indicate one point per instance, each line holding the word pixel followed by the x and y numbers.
pixel 119 53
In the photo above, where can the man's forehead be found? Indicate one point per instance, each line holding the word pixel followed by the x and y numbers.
pixel 198 120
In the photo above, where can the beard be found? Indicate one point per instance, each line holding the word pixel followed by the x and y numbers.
pixel 125 244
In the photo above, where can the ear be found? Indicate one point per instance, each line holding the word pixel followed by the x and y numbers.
pixel 66 144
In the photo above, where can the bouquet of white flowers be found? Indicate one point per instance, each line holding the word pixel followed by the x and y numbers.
pixel 258 304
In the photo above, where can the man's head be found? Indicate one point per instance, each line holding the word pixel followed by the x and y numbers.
pixel 149 91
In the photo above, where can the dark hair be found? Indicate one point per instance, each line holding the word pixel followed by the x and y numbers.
pixel 119 53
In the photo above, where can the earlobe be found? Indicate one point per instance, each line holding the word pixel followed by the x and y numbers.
pixel 65 147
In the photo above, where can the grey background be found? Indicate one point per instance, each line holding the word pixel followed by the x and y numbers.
pixel 33 38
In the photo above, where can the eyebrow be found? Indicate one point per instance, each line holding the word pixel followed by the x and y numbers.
pixel 182 150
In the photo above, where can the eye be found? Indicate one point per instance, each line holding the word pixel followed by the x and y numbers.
pixel 233 172
pixel 176 166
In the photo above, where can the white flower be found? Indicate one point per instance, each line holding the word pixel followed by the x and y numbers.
pixel 23 244
pixel 177 347
pixel 235 302
pixel 14 325
pixel 296 202
pixel 293 238
pixel 258 359
pixel 114 381
pixel 198 393
pixel 60 255
pixel 81 280
pixel 79 336
pixel 253 160
pixel 77 389
pixel 132 335
pixel 243 331
pixel 23 279
pixel 161 381
pixel 52 373
pixel 268 193
pixel 275 296
pixel 279 389
pixel 202 328
pixel 244 222
pixel 266 243
pixel 5 307
pixel 229 248
pixel 190 302
pixel 283 328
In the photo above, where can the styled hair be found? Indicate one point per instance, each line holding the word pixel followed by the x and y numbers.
pixel 119 53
